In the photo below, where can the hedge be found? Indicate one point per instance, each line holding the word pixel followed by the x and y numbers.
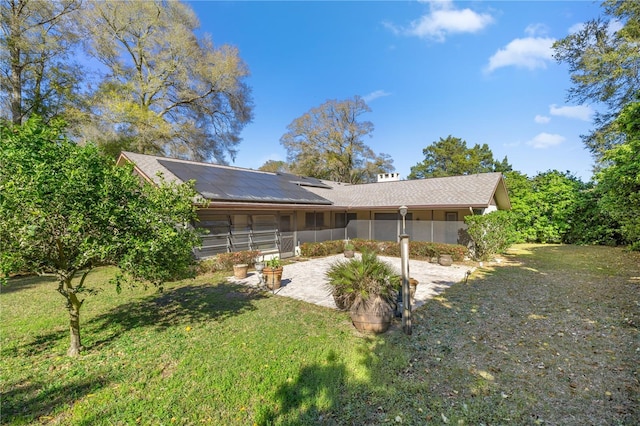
pixel 417 249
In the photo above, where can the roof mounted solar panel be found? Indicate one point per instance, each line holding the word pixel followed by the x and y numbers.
pixel 228 184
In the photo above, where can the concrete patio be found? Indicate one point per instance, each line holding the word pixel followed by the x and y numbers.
pixel 305 280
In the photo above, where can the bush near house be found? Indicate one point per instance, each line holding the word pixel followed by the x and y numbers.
pixel 225 261
pixel 418 249
pixel 324 248
pixel 490 234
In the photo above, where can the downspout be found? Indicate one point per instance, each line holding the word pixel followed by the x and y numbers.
pixel 431 225
pixel 345 225
pixel 295 230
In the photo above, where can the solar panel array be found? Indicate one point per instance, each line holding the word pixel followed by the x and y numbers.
pixel 227 184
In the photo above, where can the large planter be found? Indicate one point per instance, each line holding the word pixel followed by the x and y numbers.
pixel 371 322
pixel 240 270
pixel 374 318
pixel 272 277
pixel 445 260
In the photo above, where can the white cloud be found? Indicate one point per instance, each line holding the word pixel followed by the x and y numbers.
pixel 541 119
pixel 530 53
pixel 375 95
pixel 536 30
pixel 443 20
pixel 546 140
pixel 580 112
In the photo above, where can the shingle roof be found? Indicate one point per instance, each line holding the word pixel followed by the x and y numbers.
pixel 234 184
pixel 455 191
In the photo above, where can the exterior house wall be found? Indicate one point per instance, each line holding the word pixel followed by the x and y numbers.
pixel 281 231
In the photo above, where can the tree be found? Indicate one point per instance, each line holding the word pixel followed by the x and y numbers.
pixel 590 223
pixel 37 75
pixel 451 157
pixel 326 143
pixel 166 90
pixel 543 207
pixel 620 181
pixel 275 166
pixel 66 209
pixel 605 68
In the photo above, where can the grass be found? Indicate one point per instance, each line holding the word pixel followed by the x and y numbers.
pixel 549 336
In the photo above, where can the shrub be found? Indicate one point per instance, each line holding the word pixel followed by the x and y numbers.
pixel 225 261
pixel 324 248
pixel 420 249
pixel 492 233
pixel 207 266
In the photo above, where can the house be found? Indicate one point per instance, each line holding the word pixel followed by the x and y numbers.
pixel 276 212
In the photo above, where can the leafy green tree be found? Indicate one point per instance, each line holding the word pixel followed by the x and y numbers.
pixel 543 207
pixel 523 202
pixel 326 143
pixel 166 91
pixel 66 209
pixel 452 157
pixel 620 181
pixel 37 75
pixel 590 224
pixel 605 68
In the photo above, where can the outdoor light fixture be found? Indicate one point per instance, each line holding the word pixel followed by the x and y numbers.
pixel 404 262
pixel 403 213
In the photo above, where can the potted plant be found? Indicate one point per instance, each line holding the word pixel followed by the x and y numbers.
pixel 240 270
pixel 367 287
pixel 349 250
pixel 272 273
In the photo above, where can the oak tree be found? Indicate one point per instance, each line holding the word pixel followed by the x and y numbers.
pixel 452 157
pixel 166 90
pixel 604 64
pixel 619 182
pixel 37 73
pixel 327 143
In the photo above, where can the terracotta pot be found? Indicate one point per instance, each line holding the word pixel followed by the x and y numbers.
pixel 445 260
pixel 272 277
pixel 240 270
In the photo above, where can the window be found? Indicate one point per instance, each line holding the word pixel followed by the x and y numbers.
pixel 314 220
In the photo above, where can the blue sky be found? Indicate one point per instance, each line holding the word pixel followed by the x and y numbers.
pixel 480 71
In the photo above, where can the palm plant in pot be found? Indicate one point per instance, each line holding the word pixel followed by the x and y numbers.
pixel 368 288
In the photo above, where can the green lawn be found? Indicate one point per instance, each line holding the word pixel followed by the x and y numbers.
pixel 550 336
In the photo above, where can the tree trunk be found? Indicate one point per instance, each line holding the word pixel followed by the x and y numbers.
pixel 74 324
pixel 15 76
